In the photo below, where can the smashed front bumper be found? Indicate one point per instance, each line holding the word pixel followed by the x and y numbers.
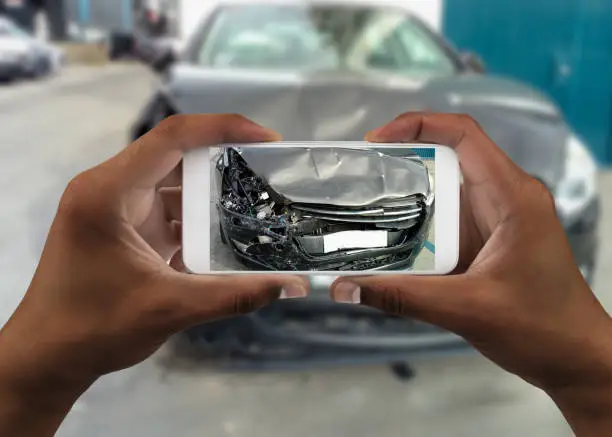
pixel 305 253
pixel 305 334
pixel 10 70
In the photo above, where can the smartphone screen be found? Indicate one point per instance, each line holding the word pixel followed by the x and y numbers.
pixel 341 209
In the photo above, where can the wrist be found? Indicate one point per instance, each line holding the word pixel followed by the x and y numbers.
pixel 34 383
pixel 48 391
pixel 35 407
pixel 587 410
pixel 587 404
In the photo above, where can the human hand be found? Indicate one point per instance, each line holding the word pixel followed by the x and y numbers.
pixel 109 289
pixel 518 297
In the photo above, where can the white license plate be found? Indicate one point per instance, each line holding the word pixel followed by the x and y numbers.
pixel 354 240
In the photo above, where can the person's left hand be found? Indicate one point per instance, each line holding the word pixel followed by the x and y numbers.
pixel 109 289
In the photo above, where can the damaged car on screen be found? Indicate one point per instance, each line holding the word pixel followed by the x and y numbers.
pixel 323 209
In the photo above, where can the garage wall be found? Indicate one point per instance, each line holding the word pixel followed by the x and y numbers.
pixel 430 11
pixel 191 13
pixel 561 47
pixel 103 14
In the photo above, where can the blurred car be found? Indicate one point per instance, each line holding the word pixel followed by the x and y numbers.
pixel 277 212
pixel 139 45
pixel 22 55
pixel 321 71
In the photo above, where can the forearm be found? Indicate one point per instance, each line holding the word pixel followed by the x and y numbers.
pixel 34 399
pixel 587 403
pixel 588 410
pixel 33 413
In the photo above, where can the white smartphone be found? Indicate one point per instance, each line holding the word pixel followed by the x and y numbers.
pixel 334 208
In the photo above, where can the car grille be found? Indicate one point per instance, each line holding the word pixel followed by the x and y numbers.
pixel 402 213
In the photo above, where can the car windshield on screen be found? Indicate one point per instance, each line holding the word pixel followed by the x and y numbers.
pixel 305 38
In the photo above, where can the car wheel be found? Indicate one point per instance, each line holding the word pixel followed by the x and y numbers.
pixel 42 68
pixel 120 45
pixel 160 112
pixel 222 234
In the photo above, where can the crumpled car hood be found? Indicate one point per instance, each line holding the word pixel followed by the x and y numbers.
pixel 337 176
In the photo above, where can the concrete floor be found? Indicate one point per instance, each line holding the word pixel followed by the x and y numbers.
pixel 50 131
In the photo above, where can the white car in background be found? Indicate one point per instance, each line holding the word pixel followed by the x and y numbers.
pixel 23 55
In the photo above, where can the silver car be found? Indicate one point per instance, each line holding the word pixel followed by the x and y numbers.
pixel 22 55
pixel 324 71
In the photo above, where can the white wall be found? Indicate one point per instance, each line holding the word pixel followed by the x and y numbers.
pixel 191 13
pixel 430 11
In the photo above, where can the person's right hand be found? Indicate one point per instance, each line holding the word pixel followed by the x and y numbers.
pixel 519 297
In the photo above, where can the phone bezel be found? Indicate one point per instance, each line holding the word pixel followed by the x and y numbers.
pixel 196 214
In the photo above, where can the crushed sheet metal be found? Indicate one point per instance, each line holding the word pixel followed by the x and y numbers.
pixel 337 176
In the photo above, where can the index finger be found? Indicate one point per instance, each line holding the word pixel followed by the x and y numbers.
pixel 482 161
pixel 148 160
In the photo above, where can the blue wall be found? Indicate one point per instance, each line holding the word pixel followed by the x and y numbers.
pixel 102 14
pixel 563 47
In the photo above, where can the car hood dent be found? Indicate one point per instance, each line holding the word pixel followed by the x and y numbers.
pixel 337 176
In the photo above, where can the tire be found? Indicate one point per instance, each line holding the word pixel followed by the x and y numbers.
pixel 43 68
pixel 160 111
pixel 120 45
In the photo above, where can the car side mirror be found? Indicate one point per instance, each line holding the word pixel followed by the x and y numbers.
pixel 473 62
pixel 162 63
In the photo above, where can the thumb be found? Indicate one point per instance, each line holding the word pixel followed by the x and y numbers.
pixel 448 302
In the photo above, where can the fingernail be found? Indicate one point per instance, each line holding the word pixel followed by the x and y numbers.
pixel 373 135
pixel 270 134
pixel 347 292
pixel 293 291
pixel 273 136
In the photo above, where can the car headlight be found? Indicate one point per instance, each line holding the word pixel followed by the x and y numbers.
pixel 9 56
pixel 579 184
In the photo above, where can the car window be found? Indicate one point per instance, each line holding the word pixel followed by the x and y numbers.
pixel 8 28
pixel 253 38
pixel 320 37
pixel 396 43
